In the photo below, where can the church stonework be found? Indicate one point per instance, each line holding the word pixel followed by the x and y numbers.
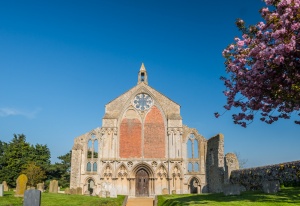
pixel 143 149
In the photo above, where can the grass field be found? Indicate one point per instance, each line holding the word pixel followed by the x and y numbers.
pixel 50 199
pixel 287 196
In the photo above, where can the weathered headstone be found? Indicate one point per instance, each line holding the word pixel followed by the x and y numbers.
pixel 102 194
pixel 79 191
pixel 21 185
pixel 113 192
pixel 165 191
pixel 231 189
pixel 1 190
pixel 73 191
pixel 40 187
pixel 5 186
pixel 173 192
pixel 271 186
pixel 53 188
pixel 32 198
pixel 67 191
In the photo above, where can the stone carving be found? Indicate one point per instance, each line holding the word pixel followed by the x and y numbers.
pixel 21 185
pixel 162 172
pixel 53 188
pixel 154 164
pixel 5 186
pixel 176 172
pixel 107 172
pixel 129 164
pixel 32 198
pixel 122 172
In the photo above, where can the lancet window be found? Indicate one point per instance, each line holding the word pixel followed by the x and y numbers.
pixel 193 153
pixel 92 147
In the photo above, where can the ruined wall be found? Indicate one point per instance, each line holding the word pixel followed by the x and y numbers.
pixel 215 163
pixel 231 163
pixel 287 173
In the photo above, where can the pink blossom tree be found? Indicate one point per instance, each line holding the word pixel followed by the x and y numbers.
pixel 264 66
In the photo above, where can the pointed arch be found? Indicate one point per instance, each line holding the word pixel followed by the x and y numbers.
pixel 122 171
pixel 161 171
pixel 144 166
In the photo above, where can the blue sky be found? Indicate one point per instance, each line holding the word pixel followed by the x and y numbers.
pixel 62 61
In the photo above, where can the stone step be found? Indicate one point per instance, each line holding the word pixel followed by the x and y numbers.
pixel 140 201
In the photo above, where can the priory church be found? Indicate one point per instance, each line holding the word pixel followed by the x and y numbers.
pixel 143 148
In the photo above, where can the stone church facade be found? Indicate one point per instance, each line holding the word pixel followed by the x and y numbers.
pixel 144 149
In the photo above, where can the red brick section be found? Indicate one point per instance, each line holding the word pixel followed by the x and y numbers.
pixel 154 134
pixel 130 138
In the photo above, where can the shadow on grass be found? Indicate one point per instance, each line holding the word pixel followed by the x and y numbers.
pixel 286 195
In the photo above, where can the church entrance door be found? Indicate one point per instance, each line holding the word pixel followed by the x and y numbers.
pixel 142 183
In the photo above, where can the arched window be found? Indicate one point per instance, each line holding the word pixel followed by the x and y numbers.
pixel 89 167
pixel 193 153
pixel 95 167
pixel 196 153
pixel 190 167
pixel 95 155
pixel 196 167
pixel 190 148
pixel 90 147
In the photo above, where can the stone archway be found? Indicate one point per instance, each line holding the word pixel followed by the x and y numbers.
pixel 194 185
pixel 91 185
pixel 142 183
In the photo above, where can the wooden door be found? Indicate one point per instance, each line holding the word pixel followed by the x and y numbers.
pixel 142 183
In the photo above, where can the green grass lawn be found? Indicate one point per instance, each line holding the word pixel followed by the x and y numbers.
pixel 287 196
pixel 50 199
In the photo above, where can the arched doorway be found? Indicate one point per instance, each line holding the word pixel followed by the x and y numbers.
pixel 194 186
pixel 142 183
pixel 91 185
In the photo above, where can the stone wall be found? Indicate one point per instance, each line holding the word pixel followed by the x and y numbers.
pixel 215 163
pixel 252 178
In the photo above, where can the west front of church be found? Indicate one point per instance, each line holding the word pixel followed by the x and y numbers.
pixel 144 149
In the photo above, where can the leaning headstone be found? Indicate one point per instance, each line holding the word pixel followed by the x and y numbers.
pixel 271 186
pixel 53 188
pixel 40 187
pixel 32 198
pixel 231 189
pixel 21 185
pixel 79 191
pixel 1 190
pixel 113 192
pixel 5 186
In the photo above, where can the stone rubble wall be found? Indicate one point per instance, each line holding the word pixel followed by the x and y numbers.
pixel 287 173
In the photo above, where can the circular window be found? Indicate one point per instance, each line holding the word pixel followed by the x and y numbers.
pixel 142 102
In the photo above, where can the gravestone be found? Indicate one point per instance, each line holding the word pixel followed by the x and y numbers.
pixel 1 190
pixel 113 192
pixel 53 188
pixel 102 194
pixel 231 189
pixel 165 191
pixel 67 191
pixel 173 192
pixel 271 186
pixel 40 187
pixel 21 185
pixel 5 186
pixel 73 191
pixel 32 198
pixel 79 191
